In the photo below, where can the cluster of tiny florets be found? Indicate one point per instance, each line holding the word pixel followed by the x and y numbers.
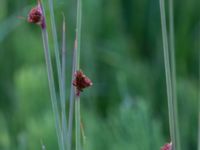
pixel 36 16
pixel 81 82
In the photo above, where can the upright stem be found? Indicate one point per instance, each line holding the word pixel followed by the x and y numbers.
pixel 78 131
pixel 72 96
pixel 173 70
pixel 199 96
pixel 77 99
pixel 51 81
pixel 199 129
pixel 52 88
pixel 60 77
pixel 63 79
pixel 170 94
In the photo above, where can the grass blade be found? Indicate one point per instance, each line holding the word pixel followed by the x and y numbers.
pixel 58 64
pixel 77 116
pixel 72 96
pixel 77 99
pixel 52 87
pixel 63 107
pixel 170 96
pixel 173 70
pixel 199 98
pixel 52 84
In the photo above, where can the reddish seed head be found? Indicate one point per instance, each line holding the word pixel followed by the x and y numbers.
pixel 81 82
pixel 36 16
pixel 167 146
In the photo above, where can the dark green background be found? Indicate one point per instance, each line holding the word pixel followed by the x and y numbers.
pixel 121 51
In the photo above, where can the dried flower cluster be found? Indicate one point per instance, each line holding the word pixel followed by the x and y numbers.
pixel 81 82
pixel 36 16
pixel 167 146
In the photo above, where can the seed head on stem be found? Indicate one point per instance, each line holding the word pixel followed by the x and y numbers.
pixel 36 15
pixel 81 82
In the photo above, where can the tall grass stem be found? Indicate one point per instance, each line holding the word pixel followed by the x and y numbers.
pixel 51 82
pixel 170 97
pixel 58 64
pixel 52 88
pixel 173 69
pixel 199 92
pixel 78 131
pixel 63 79
pixel 77 99
pixel 72 96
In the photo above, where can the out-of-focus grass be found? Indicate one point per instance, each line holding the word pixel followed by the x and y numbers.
pixel 121 41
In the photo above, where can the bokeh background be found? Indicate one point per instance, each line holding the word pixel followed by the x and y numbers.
pixel 126 109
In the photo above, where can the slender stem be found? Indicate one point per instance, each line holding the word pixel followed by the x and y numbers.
pixel 199 97
pixel 72 96
pixel 78 31
pixel 77 99
pixel 58 64
pixel 63 107
pixel 171 101
pixel 78 131
pixel 55 39
pixel 52 87
pixel 199 129
pixel 173 69
pixel 51 81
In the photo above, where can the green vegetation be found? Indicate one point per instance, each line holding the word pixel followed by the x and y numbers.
pixel 122 52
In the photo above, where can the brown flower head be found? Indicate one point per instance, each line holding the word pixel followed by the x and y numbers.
pixel 36 15
pixel 81 82
pixel 167 146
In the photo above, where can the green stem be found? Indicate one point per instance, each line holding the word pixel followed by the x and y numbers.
pixel 72 95
pixel 77 99
pixel 58 64
pixel 173 70
pixel 51 83
pixel 78 31
pixel 52 87
pixel 199 98
pixel 78 131
pixel 63 107
pixel 170 83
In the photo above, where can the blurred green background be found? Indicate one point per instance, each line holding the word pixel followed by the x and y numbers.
pixel 126 109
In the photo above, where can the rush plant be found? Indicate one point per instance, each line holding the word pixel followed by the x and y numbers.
pixel 79 81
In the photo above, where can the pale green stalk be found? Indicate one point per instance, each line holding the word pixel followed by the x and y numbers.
pixel 58 64
pixel 77 99
pixel 199 128
pixel 51 83
pixel 171 101
pixel 199 97
pixel 77 115
pixel 63 102
pixel 72 96
pixel 52 88
pixel 173 69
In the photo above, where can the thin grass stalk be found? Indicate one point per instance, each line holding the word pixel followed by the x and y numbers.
pixel 173 69
pixel 171 106
pixel 83 135
pixel 52 88
pixel 77 115
pixel 53 96
pixel 72 96
pixel 58 64
pixel 199 129
pixel 63 107
pixel 77 99
pixel 199 98
pixel 55 39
